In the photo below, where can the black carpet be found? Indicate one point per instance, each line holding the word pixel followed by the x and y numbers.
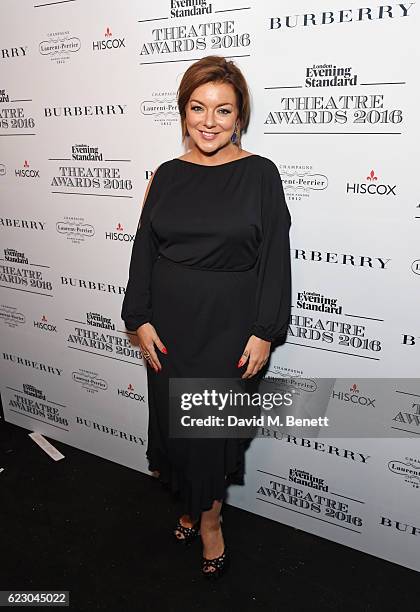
pixel 103 532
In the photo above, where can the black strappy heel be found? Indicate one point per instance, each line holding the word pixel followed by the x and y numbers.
pixel 189 533
pixel 220 565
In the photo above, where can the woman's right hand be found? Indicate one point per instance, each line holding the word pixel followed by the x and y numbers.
pixel 148 337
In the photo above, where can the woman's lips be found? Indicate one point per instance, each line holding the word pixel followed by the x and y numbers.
pixel 208 135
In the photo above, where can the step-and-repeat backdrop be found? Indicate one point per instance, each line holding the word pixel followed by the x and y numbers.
pixel 88 111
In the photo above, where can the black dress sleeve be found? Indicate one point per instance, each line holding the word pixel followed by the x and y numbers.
pixel 274 267
pixel 137 304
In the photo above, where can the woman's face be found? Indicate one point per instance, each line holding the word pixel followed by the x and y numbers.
pixel 211 113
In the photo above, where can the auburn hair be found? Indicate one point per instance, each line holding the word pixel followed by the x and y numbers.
pixel 214 68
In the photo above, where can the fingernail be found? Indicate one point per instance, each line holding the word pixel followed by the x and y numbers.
pixel 239 363
pixel 164 349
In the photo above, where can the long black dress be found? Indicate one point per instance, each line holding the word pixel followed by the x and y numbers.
pixel 210 266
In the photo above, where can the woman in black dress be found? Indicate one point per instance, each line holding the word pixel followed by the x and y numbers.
pixel 209 284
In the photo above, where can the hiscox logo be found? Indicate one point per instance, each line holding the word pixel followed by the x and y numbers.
pixel 372 186
pixel 353 396
pixel 59 46
pixel 108 42
pixel 119 234
pixel 45 325
pixel 389 11
pixel 26 171
pixel 130 393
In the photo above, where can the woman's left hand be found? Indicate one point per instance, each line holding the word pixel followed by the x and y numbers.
pixel 257 351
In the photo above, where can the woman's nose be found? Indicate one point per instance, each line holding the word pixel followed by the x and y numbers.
pixel 209 120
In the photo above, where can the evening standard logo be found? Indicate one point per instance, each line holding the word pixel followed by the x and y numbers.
pixel 303 477
pixel 353 396
pixel 337 508
pixel 108 42
pixel 408 470
pixel 14 256
pixel 59 46
pixel 13 52
pixel 131 394
pixel 75 229
pixel 312 300
pixel 89 381
pixel 372 185
pixel 119 235
pixel 33 391
pixel 408 420
pixel 45 325
pixel 342 16
pixel 32 402
pixel 11 316
pixel 181 8
pixel 162 108
pixel 300 180
pixel 26 171
pixel 95 319
pixel 85 152
pixel 329 75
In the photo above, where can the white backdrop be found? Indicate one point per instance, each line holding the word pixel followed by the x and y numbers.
pixel 88 111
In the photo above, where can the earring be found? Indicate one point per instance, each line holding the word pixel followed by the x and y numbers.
pixel 235 138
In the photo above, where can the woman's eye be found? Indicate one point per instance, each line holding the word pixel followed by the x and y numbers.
pixel 224 111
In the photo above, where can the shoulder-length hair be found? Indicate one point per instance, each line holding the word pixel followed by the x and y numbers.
pixel 214 68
